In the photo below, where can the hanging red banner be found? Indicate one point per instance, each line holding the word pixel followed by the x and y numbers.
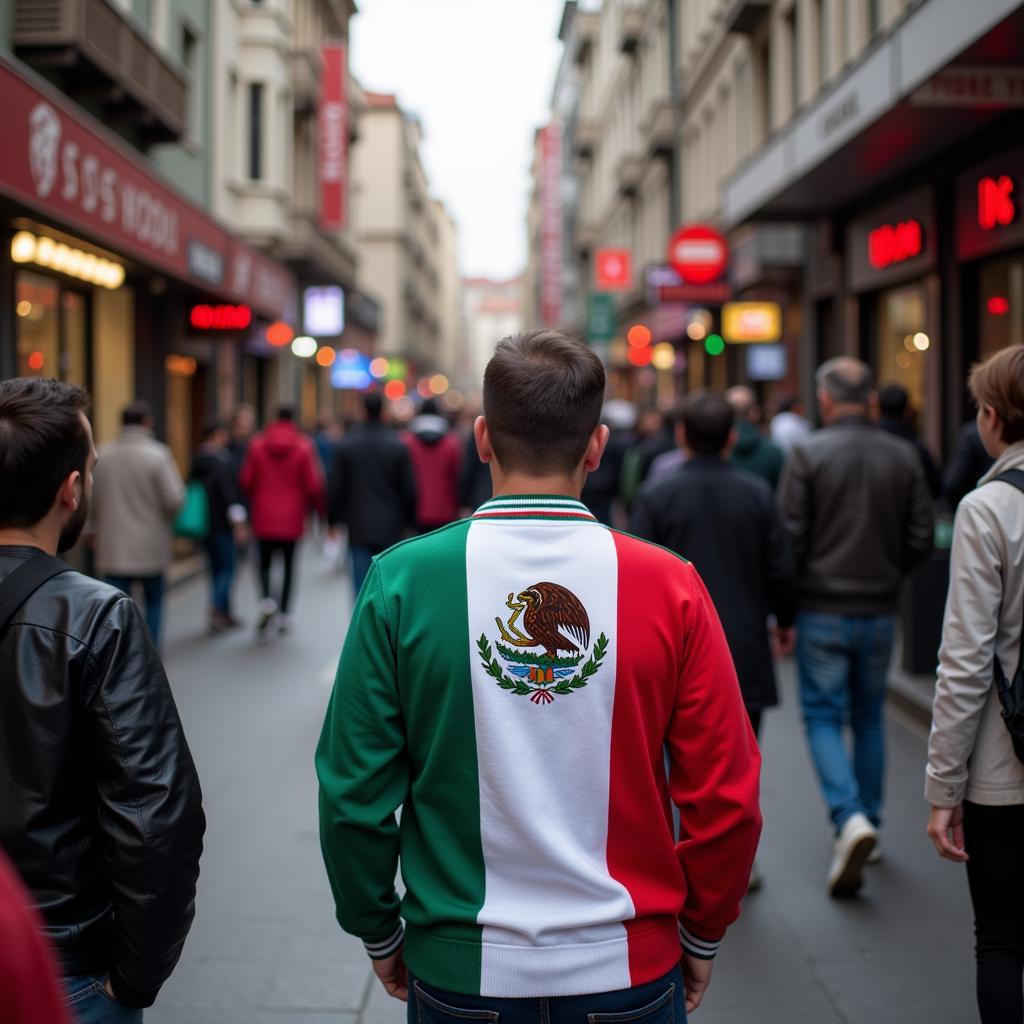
pixel 333 137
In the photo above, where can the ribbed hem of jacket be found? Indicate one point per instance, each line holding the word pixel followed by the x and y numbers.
pixel 518 971
pixel 128 996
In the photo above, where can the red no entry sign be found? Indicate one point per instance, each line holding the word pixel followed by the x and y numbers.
pixel 698 253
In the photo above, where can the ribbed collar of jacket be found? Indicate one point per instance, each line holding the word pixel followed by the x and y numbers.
pixel 556 507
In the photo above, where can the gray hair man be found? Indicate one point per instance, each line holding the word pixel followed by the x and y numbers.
pixel 857 505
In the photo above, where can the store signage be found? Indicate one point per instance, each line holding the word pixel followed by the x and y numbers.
pixel 996 204
pixel 221 317
pixel 323 311
pixel 613 270
pixel 894 243
pixel 600 317
pixel 766 362
pixel 698 253
pixel 333 115
pixel 978 87
pixel 351 371
pixel 748 322
pixel 551 224
pixel 73 171
pixel 662 284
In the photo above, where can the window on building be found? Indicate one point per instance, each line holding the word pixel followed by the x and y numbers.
pixel 793 56
pixel 190 62
pixel 256 130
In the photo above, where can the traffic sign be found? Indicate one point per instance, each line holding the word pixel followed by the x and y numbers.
pixel 699 253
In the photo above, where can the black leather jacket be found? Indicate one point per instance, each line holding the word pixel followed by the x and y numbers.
pixel 855 501
pixel 100 806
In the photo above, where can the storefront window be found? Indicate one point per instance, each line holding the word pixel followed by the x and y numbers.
pixel 903 341
pixel 1001 293
pixel 37 318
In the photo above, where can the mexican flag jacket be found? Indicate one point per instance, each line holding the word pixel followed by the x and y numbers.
pixel 513 682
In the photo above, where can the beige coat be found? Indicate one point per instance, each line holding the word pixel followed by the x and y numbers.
pixel 970 755
pixel 137 492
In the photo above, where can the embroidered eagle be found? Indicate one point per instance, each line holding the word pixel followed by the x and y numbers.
pixel 553 616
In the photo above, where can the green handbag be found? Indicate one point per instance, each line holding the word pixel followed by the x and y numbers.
pixel 194 518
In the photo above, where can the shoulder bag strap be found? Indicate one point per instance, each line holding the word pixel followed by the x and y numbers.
pixel 17 588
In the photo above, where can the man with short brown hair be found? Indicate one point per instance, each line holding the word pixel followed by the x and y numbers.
pixel 512 681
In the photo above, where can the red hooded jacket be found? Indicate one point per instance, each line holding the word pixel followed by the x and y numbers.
pixel 282 478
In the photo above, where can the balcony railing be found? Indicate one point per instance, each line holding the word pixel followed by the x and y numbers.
pixel 629 172
pixel 659 127
pixel 585 136
pixel 306 69
pixel 99 50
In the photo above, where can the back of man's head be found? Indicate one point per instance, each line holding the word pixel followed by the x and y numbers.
pixel 214 429
pixel 892 401
pixel 286 413
pixel 743 402
pixel 373 406
pixel 137 414
pixel 707 419
pixel 845 381
pixel 43 439
pixel 430 407
pixel 543 392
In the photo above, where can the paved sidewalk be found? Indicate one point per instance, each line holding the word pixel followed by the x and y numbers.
pixel 265 948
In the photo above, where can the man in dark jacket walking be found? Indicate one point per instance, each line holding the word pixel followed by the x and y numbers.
pixel 856 503
pixel 894 417
pixel 752 450
pixel 284 482
pixel 373 489
pixel 100 806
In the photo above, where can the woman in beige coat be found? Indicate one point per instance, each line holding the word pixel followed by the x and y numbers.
pixel 975 783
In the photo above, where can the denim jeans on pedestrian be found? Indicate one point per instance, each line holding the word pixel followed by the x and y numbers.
pixel 220 554
pixel 152 596
pixel 843 662
pixel 87 1000
pixel 657 1002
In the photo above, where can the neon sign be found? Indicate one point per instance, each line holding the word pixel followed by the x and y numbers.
pixel 223 317
pixel 895 243
pixel 996 205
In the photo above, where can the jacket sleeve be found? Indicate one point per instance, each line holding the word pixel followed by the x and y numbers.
pixel 794 498
pixel 966 654
pixel 362 766
pixel 713 779
pixel 152 815
pixel 780 571
pixel 919 537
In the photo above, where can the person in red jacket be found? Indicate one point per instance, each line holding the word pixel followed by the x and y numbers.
pixel 436 454
pixel 29 990
pixel 283 480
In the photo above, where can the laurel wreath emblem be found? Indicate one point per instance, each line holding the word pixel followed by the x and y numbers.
pixel 545 692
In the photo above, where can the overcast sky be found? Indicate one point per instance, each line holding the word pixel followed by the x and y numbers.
pixel 479 74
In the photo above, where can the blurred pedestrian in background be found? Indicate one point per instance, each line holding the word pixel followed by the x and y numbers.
pixel 655 435
pixel 373 488
pixel 857 506
pixel 328 436
pixel 789 424
pixel 214 468
pixel 896 417
pixel 474 476
pixel 30 992
pixel 975 781
pixel 242 428
pixel 436 453
pixel 724 520
pixel 138 493
pixel 601 490
pixel 100 806
pixel 752 450
pixel 283 480
pixel 968 463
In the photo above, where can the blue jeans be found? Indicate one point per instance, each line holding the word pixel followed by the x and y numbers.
pixel 361 557
pixel 657 1002
pixel 152 595
pixel 844 661
pixel 88 1002
pixel 220 553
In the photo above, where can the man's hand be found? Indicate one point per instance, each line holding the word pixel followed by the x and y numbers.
pixel 946 828
pixel 784 638
pixel 696 978
pixel 393 975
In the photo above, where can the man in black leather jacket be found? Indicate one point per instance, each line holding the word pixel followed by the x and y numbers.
pixel 100 805
pixel 858 508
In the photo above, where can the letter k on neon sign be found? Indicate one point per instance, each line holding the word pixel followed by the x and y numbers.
pixel 996 204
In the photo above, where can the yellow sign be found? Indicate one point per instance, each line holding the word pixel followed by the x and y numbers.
pixel 745 322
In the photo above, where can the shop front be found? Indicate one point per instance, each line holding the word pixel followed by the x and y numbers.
pixel 101 262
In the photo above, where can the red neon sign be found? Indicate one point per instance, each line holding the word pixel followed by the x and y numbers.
pixel 999 305
pixel 224 317
pixel 996 205
pixel 895 243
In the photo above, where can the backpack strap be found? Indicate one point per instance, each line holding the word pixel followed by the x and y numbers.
pixel 17 588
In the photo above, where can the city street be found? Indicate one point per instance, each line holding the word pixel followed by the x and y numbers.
pixel 265 947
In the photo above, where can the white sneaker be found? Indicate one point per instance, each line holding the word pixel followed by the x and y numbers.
pixel 852 848
pixel 267 609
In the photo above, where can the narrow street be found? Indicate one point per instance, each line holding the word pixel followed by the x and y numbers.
pixel 265 947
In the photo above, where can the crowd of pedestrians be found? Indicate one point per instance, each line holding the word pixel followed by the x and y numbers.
pixel 792 540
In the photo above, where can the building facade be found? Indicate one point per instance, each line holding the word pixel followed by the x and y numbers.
pixel 491 310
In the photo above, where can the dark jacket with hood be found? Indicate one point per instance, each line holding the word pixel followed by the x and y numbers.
pixel 756 454
pixel 436 459
pixel 100 806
